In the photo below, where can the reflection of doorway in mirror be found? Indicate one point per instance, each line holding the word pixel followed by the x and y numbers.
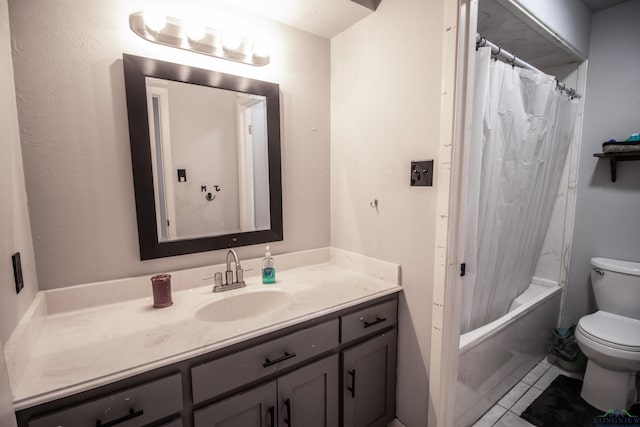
pixel 218 138
pixel 253 171
pixel 159 132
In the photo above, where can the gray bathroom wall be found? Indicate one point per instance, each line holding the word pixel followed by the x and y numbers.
pixel 72 110
pixel 15 233
pixel 607 222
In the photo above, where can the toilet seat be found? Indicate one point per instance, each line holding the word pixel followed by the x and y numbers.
pixel 612 330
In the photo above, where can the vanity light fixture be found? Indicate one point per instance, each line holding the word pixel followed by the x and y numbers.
pixel 153 20
pixel 195 37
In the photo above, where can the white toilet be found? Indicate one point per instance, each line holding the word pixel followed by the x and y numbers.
pixel 610 337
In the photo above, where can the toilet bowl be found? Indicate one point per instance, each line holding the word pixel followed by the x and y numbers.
pixel 610 338
pixel 612 345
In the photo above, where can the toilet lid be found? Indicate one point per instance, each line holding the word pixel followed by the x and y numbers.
pixel 612 330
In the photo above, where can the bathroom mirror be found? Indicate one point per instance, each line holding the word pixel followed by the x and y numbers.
pixel 205 150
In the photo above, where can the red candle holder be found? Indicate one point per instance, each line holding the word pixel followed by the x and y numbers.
pixel 161 284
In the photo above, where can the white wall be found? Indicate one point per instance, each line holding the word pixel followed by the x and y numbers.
pixel 607 222
pixel 73 121
pixel 15 233
pixel 385 104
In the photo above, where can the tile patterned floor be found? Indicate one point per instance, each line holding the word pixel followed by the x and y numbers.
pixel 506 413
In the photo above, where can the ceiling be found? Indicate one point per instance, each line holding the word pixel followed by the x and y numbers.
pixel 325 18
pixel 507 30
pixel 598 5
pixel 532 44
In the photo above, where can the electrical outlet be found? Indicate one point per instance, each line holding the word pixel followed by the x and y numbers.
pixel 17 271
pixel 422 173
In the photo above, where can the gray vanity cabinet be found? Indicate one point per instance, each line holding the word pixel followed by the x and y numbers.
pixel 369 368
pixel 134 407
pixel 306 397
pixel 369 382
pixel 253 408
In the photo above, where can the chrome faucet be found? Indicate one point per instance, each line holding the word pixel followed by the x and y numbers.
pixel 229 283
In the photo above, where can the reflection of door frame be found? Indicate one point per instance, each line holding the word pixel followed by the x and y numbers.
pixel 245 162
pixel 162 94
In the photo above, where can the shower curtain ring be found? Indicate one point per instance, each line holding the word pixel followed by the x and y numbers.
pixel 512 62
pixel 495 55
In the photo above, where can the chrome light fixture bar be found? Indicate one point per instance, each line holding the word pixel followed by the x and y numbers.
pixel 205 40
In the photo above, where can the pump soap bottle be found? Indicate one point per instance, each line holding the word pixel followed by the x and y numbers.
pixel 268 268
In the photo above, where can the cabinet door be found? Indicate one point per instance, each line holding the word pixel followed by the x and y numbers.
pixel 254 408
pixel 369 381
pixel 308 397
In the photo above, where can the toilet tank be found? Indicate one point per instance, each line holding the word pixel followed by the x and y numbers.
pixel 616 286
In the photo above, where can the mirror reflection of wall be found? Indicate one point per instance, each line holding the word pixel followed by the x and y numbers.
pixel 219 138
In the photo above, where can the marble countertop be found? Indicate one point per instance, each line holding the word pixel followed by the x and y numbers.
pixel 69 342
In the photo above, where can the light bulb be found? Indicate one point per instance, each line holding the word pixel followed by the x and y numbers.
pixel 232 41
pixel 154 20
pixel 261 49
pixel 194 31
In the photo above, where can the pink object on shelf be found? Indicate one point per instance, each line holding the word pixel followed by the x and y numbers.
pixel 161 284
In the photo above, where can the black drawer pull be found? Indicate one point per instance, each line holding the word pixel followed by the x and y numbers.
pixel 132 414
pixel 352 389
pixel 272 416
pixel 287 420
pixel 286 356
pixel 375 322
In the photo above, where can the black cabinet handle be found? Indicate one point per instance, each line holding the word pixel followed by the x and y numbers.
pixel 132 414
pixel 272 416
pixel 287 420
pixel 352 389
pixel 375 322
pixel 286 356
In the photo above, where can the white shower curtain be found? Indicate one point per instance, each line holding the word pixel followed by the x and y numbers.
pixel 521 132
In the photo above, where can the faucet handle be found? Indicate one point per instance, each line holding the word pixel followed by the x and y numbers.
pixel 239 275
pixel 217 279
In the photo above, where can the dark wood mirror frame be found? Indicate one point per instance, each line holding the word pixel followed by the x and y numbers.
pixel 136 69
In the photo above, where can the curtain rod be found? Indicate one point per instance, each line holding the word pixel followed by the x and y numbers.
pixel 482 41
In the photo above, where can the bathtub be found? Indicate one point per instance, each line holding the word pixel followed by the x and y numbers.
pixel 496 356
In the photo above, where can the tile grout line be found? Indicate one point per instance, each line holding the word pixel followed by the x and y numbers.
pixel 528 388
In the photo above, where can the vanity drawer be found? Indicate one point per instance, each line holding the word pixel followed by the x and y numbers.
pixel 368 320
pixel 221 375
pixel 134 407
pixel 175 423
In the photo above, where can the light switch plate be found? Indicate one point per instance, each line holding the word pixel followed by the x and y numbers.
pixel 17 271
pixel 422 173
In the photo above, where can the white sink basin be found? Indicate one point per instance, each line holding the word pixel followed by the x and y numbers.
pixel 244 305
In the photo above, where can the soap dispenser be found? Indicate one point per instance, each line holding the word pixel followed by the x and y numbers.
pixel 268 268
